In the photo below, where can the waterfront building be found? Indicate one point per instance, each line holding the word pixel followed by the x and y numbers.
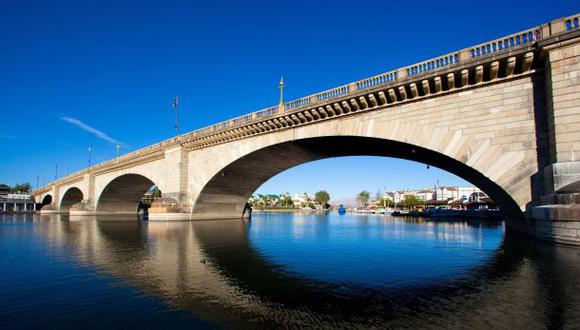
pixel 398 196
pixel 463 193
pixel 16 203
pixel 445 193
pixel 301 200
pixel 264 200
pixel 425 194
pixel 451 193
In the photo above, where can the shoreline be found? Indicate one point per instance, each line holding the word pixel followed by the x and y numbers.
pixel 298 211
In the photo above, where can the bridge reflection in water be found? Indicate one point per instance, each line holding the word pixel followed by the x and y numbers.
pixel 267 272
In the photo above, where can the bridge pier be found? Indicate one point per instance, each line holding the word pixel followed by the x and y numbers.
pixel 556 217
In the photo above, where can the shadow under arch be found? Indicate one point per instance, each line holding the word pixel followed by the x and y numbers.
pixel 253 272
pixel 123 194
pixel 71 196
pixel 229 189
pixel 46 200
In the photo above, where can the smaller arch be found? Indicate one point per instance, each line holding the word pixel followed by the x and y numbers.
pixel 123 194
pixel 72 196
pixel 46 200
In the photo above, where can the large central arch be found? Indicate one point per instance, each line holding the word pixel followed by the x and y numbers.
pixel 123 194
pixel 228 190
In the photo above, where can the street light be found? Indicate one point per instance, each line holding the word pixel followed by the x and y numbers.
pixel 90 150
pixel 175 105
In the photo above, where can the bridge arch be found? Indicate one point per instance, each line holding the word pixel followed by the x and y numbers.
pixel 72 195
pixel 123 194
pixel 46 200
pixel 229 188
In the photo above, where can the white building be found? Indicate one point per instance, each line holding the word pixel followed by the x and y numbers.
pixel 301 200
pixel 454 193
pixel 398 196
pixel 463 193
pixel 425 194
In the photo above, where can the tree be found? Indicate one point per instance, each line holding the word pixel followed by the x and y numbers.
pixel 410 201
pixel 385 202
pixel 322 197
pixel 4 188
pixel 363 197
pixel 155 192
pixel 151 195
pixel 286 201
pixel 21 188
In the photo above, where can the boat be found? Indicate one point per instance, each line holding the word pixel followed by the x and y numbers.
pixel 445 213
pixel 397 213
pixel 341 209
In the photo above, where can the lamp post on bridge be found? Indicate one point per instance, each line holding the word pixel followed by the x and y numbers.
pixel 175 105
pixel 281 87
pixel 90 150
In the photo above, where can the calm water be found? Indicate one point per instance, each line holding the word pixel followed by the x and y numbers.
pixel 281 270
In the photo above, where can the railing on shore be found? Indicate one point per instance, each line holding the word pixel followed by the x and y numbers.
pixel 514 41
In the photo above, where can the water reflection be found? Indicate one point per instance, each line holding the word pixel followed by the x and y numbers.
pixel 316 271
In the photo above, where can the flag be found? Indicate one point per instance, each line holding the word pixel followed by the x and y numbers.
pixel 175 102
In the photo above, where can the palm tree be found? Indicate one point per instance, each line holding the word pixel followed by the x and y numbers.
pixel 363 197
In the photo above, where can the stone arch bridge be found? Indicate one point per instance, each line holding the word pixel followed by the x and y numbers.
pixel 504 115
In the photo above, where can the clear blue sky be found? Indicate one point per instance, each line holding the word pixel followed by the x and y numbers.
pixel 114 66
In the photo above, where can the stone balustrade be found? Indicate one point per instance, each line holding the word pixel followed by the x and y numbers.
pixel 305 101
pixel 517 40
pixel 433 64
pixel 378 80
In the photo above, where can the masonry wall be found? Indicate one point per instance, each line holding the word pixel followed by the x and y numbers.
pixel 564 101
pixel 490 128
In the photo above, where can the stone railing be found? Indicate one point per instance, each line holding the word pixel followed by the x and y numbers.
pixel 511 42
pixel 517 40
pixel 433 64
